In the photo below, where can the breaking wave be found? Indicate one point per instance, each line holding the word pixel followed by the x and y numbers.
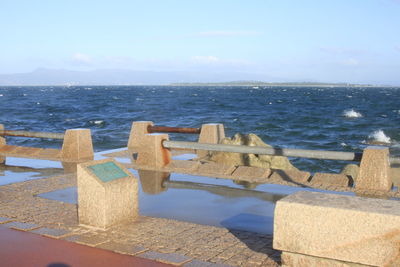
pixel 352 114
pixel 380 137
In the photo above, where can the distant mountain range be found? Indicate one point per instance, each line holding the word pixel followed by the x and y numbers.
pixel 63 77
pixel 119 77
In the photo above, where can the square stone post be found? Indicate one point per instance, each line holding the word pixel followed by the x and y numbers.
pixel 320 229
pixel 138 130
pixel 374 170
pixel 77 145
pixel 151 153
pixel 107 194
pixel 2 143
pixel 211 133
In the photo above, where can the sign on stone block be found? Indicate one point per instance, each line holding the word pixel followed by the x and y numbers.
pixel 107 194
pixel 108 171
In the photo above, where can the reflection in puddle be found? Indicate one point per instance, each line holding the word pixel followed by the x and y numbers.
pixel 17 174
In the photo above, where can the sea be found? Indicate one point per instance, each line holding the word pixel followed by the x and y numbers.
pixel 320 118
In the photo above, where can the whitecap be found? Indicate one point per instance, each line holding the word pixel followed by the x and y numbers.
pixel 97 122
pixel 1 95
pixel 24 94
pixel 116 97
pixel 343 144
pixel 379 137
pixel 352 114
pixel 37 103
pixel 139 99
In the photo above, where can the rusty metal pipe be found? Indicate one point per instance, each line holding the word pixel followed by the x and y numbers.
pixel 32 134
pixel 166 129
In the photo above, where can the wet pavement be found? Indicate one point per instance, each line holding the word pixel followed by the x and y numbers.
pixel 176 241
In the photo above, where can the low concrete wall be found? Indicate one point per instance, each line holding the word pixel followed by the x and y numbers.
pixel 330 227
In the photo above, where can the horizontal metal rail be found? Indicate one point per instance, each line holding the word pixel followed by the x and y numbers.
pixel 32 134
pixel 166 129
pixel 274 151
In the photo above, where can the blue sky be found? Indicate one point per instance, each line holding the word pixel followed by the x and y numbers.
pixel 354 41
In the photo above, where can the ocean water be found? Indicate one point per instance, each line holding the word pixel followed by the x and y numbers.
pixel 338 119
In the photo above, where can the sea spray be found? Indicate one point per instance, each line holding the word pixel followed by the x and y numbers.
pixel 352 114
pixel 380 137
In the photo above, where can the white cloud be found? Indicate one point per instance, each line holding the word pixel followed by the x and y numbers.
pixel 350 62
pixel 227 33
pixel 81 59
pixel 205 59
pixel 336 50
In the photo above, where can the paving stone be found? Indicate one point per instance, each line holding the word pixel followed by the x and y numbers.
pixel 122 248
pixel 216 168
pixel 51 232
pixel 5 220
pixel 199 263
pixel 90 240
pixel 331 178
pixel 251 173
pixel 21 226
pixel 294 175
pixel 170 258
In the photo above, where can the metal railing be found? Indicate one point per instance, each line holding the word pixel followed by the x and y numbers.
pixel 273 151
pixel 32 134
pixel 167 129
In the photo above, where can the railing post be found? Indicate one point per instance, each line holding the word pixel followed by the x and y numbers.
pixel 374 172
pixel 138 130
pixel 77 145
pixel 211 133
pixel 151 152
pixel 2 143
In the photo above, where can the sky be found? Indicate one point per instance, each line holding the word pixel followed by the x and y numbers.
pixel 355 41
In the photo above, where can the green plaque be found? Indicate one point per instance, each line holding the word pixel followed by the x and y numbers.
pixel 108 171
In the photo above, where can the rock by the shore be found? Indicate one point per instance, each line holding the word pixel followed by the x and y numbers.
pixel 238 159
pixel 351 170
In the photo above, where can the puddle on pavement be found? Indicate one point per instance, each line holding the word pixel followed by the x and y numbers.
pixel 202 200
pixel 19 170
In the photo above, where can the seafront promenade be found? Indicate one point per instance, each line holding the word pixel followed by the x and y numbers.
pixel 159 239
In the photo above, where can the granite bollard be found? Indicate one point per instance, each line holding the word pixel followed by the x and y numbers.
pixel 211 133
pixel 336 229
pixel 2 143
pixel 107 194
pixel 374 171
pixel 77 145
pixel 151 153
pixel 138 130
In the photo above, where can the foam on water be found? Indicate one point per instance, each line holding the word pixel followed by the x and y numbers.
pixel 380 136
pixel 352 114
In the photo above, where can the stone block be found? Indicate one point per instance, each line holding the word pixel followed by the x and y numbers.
pixel 374 170
pixel 298 260
pixel 213 168
pixel 211 133
pixel 395 175
pixel 331 179
pixel 21 226
pixel 183 165
pixel 2 143
pixel 294 175
pixel 254 174
pixel 92 240
pixel 122 248
pixel 345 228
pixel 51 232
pixel 169 258
pixel 138 130
pixel 152 181
pixel 5 220
pixel 151 152
pixel 77 145
pixel 107 194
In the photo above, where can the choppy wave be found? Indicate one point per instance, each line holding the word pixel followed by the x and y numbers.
pixel 351 113
pixel 379 136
